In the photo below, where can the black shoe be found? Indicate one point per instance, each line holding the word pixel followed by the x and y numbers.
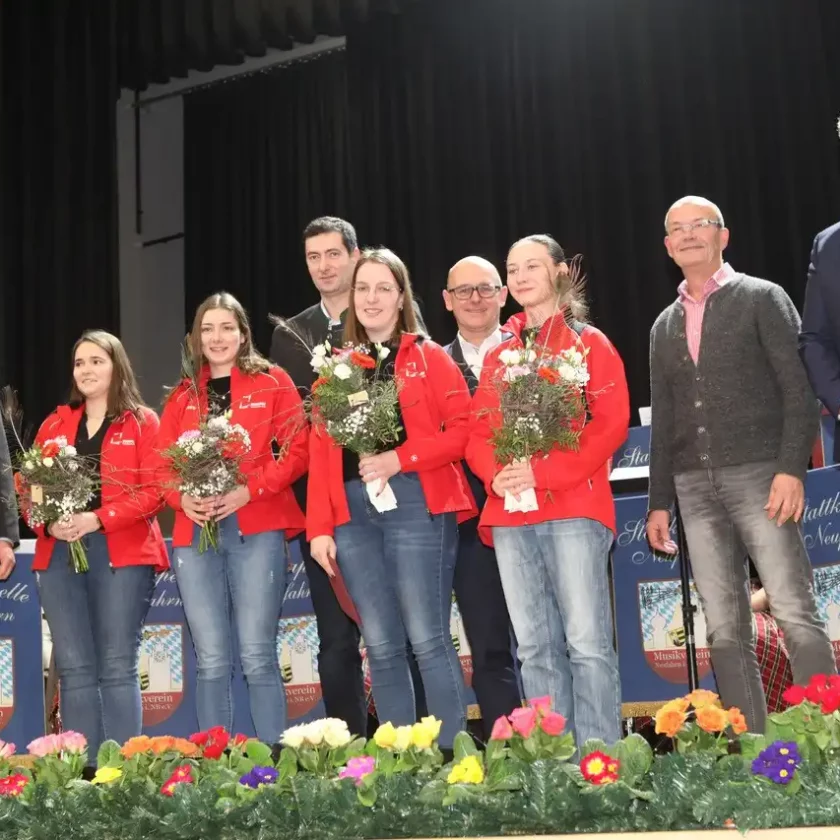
pixel 88 773
pixel 448 755
pixel 275 753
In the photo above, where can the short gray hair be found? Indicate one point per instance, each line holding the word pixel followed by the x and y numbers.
pixel 698 200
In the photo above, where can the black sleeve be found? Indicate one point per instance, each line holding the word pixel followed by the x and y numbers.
pixel 9 513
pixel 290 354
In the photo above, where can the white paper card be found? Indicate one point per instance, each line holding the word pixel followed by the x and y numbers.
pixel 386 500
pixel 526 503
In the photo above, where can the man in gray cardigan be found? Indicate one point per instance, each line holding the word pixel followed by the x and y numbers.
pixel 733 423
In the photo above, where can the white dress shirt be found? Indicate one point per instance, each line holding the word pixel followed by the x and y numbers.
pixel 474 356
pixel 330 320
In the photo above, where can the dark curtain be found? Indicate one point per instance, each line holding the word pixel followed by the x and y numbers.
pixel 159 39
pixel 457 127
pixel 58 242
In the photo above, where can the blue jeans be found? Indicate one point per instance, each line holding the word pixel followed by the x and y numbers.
pixel 554 575
pixel 398 567
pixel 238 586
pixel 96 621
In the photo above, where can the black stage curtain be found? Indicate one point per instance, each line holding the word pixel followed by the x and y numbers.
pixel 457 127
pixel 58 241
pixel 159 39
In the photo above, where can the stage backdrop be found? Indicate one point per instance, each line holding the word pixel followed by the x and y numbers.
pixel 648 600
pixel 167 659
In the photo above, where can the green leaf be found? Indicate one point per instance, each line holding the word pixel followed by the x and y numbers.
pixel 822 739
pixel 259 753
pixel 308 759
pixel 386 762
pixel 794 785
pixel 287 765
pixel 366 791
pixel 109 755
pixel 563 748
pixel 433 793
pixel 494 751
pixel 456 793
pixel 464 746
pixel 635 755
pixel 592 745
pixel 225 804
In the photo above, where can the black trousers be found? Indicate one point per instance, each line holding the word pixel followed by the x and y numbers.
pixel 478 590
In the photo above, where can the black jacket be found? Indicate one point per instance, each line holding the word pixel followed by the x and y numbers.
pixel 8 504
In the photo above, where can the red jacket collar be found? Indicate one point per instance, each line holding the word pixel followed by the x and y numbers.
pixel 555 325
pixel 72 414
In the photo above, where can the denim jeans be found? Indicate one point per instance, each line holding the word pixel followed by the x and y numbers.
pixel 240 586
pixel 554 575
pixel 398 567
pixel 96 621
pixel 723 513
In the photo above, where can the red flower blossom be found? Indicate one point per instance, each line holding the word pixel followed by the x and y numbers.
pixel 233 447
pixel 524 721
pixel 20 483
pixel 200 738
pixel 239 740
pixel 553 723
pixel 181 776
pixel 13 785
pixel 318 382
pixel 548 374
pixel 362 360
pixel 216 743
pixel 794 695
pixel 502 730
pixel 541 704
pixel 50 449
pixel 599 769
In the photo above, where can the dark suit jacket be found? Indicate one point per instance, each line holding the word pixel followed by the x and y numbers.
pixel 819 341
pixel 457 354
pixel 8 504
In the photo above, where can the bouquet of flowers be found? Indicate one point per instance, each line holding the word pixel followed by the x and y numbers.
pixel 53 482
pixel 207 461
pixel 359 410
pixel 543 407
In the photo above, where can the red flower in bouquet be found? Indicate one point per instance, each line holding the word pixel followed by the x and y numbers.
pixel 599 769
pixel 553 723
pixel 548 374
pixel 50 449
pixel 13 785
pixel 234 448
pixel 524 721
pixel 362 360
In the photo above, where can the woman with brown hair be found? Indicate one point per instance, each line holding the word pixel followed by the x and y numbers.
pixel 95 617
pixel 246 569
pixel 398 564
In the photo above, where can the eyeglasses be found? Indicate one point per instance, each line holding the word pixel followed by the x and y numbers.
pixel 364 289
pixel 690 227
pixel 485 290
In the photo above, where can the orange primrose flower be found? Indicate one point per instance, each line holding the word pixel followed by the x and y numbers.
pixel 712 719
pixel 134 746
pixel 702 697
pixel 669 721
pixel 737 721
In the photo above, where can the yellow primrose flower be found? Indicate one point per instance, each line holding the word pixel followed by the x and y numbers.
pixel 468 771
pixel 432 723
pixel 423 734
pixel 403 739
pixel 385 736
pixel 106 775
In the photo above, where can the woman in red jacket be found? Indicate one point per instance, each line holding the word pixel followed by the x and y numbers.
pixel 553 561
pixel 247 569
pixel 398 565
pixel 95 617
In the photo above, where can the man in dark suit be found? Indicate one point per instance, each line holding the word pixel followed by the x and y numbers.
pixel 819 340
pixel 475 296
pixel 9 535
pixel 332 250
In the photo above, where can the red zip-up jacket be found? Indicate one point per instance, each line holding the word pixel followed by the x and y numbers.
pixel 435 406
pixel 130 495
pixel 570 484
pixel 268 406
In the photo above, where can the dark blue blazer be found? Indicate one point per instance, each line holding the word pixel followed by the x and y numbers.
pixel 819 341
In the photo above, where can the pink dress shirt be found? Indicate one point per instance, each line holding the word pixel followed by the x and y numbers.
pixel 694 309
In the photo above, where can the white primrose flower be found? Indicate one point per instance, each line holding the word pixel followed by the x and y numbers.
pixel 48 462
pixel 342 371
pixel 335 731
pixel 293 736
pixel 382 351
pixel 28 466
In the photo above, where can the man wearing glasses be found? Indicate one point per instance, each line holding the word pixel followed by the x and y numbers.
pixel 733 423
pixel 475 295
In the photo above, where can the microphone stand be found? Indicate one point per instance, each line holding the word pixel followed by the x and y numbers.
pixel 688 607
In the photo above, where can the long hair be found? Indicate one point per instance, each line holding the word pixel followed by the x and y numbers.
pixel 569 280
pixel 123 392
pixel 248 359
pixel 354 332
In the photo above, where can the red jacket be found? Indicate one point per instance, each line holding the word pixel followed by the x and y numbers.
pixel 130 498
pixel 570 485
pixel 268 406
pixel 435 406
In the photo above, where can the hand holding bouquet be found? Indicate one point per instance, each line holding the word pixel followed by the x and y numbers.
pixel 358 408
pixel 207 461
pixel 543 405
pixel 52 484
